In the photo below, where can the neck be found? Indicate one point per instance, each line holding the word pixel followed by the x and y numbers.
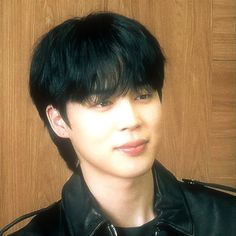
pixel 126 202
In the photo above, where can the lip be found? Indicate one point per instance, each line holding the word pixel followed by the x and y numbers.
pixel 133 148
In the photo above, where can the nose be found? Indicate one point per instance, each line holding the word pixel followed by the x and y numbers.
pixel 127 116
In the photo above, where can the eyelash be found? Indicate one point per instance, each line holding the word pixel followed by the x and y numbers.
pixel 105 104
pixel 144 96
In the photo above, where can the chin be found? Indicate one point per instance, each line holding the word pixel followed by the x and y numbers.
pixel 137 168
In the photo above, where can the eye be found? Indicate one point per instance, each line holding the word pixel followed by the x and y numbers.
pixel 101 104
pixel 96 102
pixel 144 96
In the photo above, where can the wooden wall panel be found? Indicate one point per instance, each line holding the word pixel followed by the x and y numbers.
pixel 222 166
pixel 224 30
pixel 187 97
pixel 199 107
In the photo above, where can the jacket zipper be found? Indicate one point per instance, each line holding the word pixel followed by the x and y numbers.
pixel 94 231
pixel 112 230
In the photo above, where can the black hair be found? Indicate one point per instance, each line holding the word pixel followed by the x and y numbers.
pixel 102 54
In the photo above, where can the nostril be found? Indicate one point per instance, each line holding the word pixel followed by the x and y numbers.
pixel 130 127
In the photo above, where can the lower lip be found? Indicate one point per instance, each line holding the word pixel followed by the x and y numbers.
pixel 133 151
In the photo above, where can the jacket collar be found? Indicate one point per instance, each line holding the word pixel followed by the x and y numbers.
pixel 84 215
pixel 170 205
pixel 81 209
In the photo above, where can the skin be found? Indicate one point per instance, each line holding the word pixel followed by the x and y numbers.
pixel 116 174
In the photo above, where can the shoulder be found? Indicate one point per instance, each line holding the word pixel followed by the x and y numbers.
pixel 210 207
pixel 45 221
pixel 200 194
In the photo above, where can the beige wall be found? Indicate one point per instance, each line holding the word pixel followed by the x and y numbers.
pixel 198 37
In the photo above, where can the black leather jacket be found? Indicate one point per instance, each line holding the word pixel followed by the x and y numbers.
pixel 181 209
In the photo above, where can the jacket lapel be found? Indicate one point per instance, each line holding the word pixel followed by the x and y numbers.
pixel 170 204
pixel 80 207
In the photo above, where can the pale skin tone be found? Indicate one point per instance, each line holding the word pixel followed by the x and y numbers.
pixel 117 142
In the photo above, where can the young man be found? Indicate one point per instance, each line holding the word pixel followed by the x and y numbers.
pixel 97 84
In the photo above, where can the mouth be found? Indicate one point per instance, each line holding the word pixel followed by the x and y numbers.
pixel 133 148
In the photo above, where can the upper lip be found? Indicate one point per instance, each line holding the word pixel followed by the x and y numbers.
pixel 133 144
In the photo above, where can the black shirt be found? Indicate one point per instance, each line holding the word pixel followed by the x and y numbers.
pixel 147 229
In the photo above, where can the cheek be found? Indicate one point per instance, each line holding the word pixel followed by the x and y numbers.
pixel 155 127
pixel 153 118
pixel 91 130
pixel 158 120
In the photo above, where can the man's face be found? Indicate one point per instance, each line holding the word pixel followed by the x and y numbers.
pixel 117 137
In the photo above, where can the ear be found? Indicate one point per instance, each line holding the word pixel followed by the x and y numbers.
pixel 56 121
